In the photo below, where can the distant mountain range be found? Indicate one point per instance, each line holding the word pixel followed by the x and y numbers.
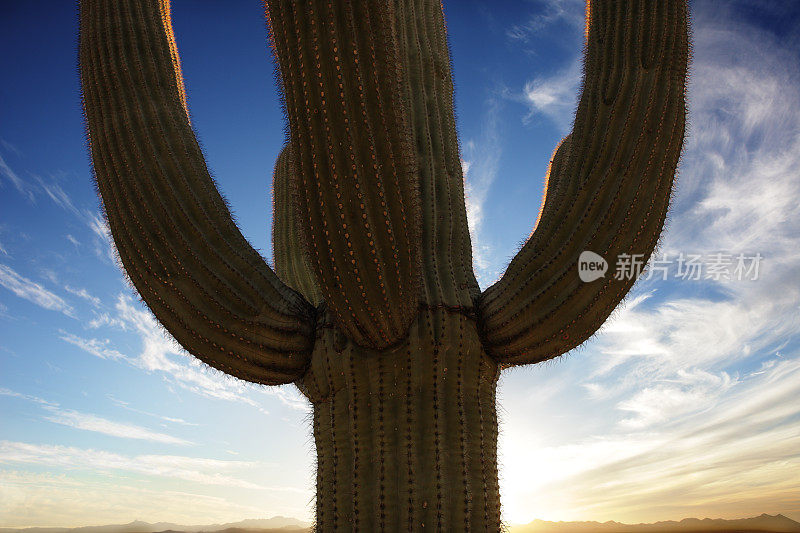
pixel 262 525
pixel 763 523
pixel 279 524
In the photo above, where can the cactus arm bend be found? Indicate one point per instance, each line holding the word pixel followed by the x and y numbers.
pixel 339 67
pixel 291 265
pixel 175 237
pixel 608 187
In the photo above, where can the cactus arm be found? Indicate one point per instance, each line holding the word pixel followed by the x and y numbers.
pixel 448 277
pixel 339 67
pixel 175 237
pixel 291 265
pixel 609 184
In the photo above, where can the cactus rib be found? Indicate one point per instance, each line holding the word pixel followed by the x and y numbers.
pixel 351 138
pixel 291 264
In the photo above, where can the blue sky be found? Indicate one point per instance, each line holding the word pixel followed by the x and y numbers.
pixel 685 404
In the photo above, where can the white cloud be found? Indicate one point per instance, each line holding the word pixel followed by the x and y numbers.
pixel 60 500
pixel 480 164
pixel 105 319
pixel 53 191
pixel 126 405
pixel 160 353
pixel 104 244
pixel 550 12
pixel 83 293
pixel 728 444
pixel 96 347
pixel 32 291
pixel 34 399
pixel 735 448
pixel 100 227
pixel 31 190
pixel 680 332
pixel 21 185
pixel 288 395
pixel 50 275
pixel 59 197
pixel 193 469
pixel 90 422
pixel 10 147
pixel 555 96
pixel 690 391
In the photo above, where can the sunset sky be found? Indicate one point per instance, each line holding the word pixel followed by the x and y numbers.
pixel 685 404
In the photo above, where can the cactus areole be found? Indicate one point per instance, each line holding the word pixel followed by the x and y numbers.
pixel 373 310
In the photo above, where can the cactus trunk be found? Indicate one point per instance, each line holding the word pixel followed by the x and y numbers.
pixel 406 437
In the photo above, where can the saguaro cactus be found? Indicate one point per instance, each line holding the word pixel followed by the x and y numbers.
pixel 374 312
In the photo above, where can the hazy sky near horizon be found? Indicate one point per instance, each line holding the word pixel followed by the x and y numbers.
pixel 685 404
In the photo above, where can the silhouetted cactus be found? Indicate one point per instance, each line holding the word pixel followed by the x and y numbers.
pixel 401 357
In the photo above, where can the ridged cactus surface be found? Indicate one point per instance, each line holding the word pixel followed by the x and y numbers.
pixel 290 262
pixel 373 310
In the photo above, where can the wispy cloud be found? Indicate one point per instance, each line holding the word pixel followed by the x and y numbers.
pixel 54 192
pixel 160 353
pixel 730 445
pixel 63 500
pixel 555 96
pixel 98 348
pixel 100 227
pixel 688 392
pixel 193 469
pixel 547 13
pixel 31 189
pixel 21 185
pixel 127 406
pixel 104 242
pixel 10 147
pixel 27 397
pixel 94 423
pixel 288 395
pixel 83 293
pixel 59 197
pixel 480 165
pixel 718 451
pixel 97 424
pixel 105 319
pixel 32 291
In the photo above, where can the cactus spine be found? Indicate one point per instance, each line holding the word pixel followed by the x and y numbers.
pixel 374 312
